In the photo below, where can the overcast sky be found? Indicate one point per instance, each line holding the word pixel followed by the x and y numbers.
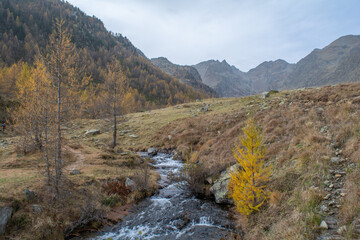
pixel 244 32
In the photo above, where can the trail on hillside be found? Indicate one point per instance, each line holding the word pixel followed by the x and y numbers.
pixel 331 228
pixel 80 157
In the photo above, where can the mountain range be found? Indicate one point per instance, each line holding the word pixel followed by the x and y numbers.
pixel 27 25
pixel 336 63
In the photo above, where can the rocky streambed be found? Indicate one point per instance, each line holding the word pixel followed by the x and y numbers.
pixel 173 213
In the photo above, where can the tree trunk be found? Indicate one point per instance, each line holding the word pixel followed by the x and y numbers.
pixel 114 105
pixel 46 153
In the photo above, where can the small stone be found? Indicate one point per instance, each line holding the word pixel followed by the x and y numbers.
pixel 335 160
pixel 343 194
pixel 169 137
pixel 74 172
pixel 92 132
pixel 133 136
pixel 332 203
pixel 36 208
pixel 30 195
pixel 323 225
pixel 319 110
pixel 324 208
pixel 327 182
pixel 327 196
pixel 338 175
pixel 341 230
pixel 204 108
pixel 152 152
pixel 331 185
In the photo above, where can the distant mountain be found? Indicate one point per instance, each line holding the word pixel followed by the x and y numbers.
pixel 269 75
pixel 226 80
pixel 338 62
pixel 186 74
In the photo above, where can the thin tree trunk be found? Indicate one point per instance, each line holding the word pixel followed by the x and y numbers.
pixel 46 153
pixel 114 105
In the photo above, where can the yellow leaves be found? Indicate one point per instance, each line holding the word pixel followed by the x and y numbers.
pixel 247 185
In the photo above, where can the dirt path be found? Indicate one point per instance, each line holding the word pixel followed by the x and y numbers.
pixel 79 163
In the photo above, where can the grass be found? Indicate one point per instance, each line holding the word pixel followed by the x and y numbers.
pixel 291 122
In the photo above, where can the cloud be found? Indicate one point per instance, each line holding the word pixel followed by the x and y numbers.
pixel 244 32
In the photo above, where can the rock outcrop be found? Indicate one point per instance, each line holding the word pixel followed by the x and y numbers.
pixel 220 187
pixel 5 215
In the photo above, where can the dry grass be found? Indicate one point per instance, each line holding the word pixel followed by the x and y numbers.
pixel 299 129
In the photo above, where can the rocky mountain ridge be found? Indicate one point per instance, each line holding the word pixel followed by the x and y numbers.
pixel 336 63
pixel 186 74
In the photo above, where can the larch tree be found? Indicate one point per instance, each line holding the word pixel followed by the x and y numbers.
pixel 61 66
pixel 114 87
pixel 247 185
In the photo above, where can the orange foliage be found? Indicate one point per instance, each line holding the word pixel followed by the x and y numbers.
pixel 248 182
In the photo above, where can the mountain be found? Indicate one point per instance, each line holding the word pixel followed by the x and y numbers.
pixel 226 80
pixel 269 75
pixel 186 74
pixel 25 29
pixel 336 63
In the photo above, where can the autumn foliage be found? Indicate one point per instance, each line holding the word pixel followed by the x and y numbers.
pixel 248 182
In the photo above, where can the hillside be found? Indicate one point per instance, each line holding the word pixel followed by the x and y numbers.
pixel 186 74
pixel 311 137
pixel 226 80
pixel 25 29
pixel 335 63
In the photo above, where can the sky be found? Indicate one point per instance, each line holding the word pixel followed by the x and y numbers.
pixel 243 32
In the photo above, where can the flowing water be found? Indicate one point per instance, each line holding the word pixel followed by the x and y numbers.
pixel 173 213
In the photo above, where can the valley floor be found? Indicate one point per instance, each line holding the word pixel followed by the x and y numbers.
pixel 311 136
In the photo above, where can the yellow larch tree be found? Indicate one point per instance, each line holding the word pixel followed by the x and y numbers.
pixel 247 186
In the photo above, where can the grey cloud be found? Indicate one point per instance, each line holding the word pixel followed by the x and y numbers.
pixel 244 32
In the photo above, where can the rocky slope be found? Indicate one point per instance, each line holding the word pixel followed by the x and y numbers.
pixel 336 63
pixel 269 75
pixel 186 74
pixel 226 80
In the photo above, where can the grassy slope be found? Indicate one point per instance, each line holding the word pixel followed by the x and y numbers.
pixel 291 122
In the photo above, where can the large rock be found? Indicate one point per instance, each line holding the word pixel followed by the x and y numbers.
pixel 220 187
pixel 92 132
pixel 152 152
pixel 130 184
pixel 5 215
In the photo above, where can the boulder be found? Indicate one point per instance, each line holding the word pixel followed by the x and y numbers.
pixel 130 184
pixel 265 94
pixel 92 132
pixel 152 152
pixel 5 215
pixel 220 187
